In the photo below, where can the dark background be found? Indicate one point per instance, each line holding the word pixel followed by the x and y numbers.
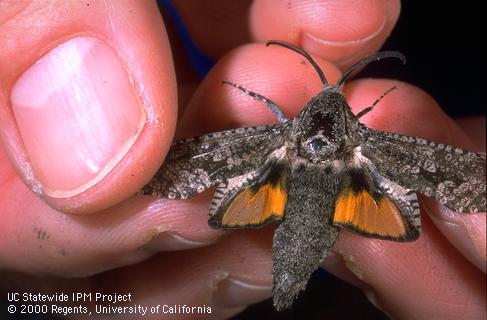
pixel 442 43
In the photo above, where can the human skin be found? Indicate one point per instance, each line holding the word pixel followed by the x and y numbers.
pixel 108 228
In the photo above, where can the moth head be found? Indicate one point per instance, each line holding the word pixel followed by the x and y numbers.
pixel 321 130
pixel 327 120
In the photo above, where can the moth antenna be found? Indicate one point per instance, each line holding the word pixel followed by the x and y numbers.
pixel 304 54
pixel 270 104
pixel 375 57
pixel 368 109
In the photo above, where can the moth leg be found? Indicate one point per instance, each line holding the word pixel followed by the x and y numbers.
pixel 305 236
pixel 370 108
pixel 270 104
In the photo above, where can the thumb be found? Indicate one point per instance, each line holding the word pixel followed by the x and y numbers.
pixel 87 98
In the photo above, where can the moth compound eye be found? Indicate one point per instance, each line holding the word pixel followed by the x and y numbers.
pixel 317 143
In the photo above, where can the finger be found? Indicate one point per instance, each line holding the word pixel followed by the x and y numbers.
pixel 340 32
pixel 475 128
pixel 220 281
pixel 412 112
pixel 406 110
pixel 87 99
pixel 466 232
pixel 37 239
pixel 425 279
pixel 229 275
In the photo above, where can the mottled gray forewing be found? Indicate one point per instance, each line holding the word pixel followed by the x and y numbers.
pixel 305 236
pixel 454 177
pixel 195 164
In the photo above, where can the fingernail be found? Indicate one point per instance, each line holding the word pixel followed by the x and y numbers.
pixel 466 229
pixel 351 265
pixel 346 267
pixel 230 291
pixel 338 265
pixel 77 114
pixel 341 36
pixel 372 297
pixel 165 240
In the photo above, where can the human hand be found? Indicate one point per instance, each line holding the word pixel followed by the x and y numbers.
pixel 114 229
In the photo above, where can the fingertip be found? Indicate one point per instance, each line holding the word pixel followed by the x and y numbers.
pixel 407 110
pixel 429 267
pixel 341 32
pixel 475 128
pixel 88 105
pixel 226 276
pixel 465 231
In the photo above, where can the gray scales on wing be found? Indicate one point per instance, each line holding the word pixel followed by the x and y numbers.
pixel 196 164
pixel 453 176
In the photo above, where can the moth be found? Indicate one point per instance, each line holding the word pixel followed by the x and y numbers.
pixel 316 173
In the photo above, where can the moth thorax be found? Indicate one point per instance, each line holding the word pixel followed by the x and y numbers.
pixel 317 148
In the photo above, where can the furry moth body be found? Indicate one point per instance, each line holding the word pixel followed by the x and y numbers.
pixel 316 173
